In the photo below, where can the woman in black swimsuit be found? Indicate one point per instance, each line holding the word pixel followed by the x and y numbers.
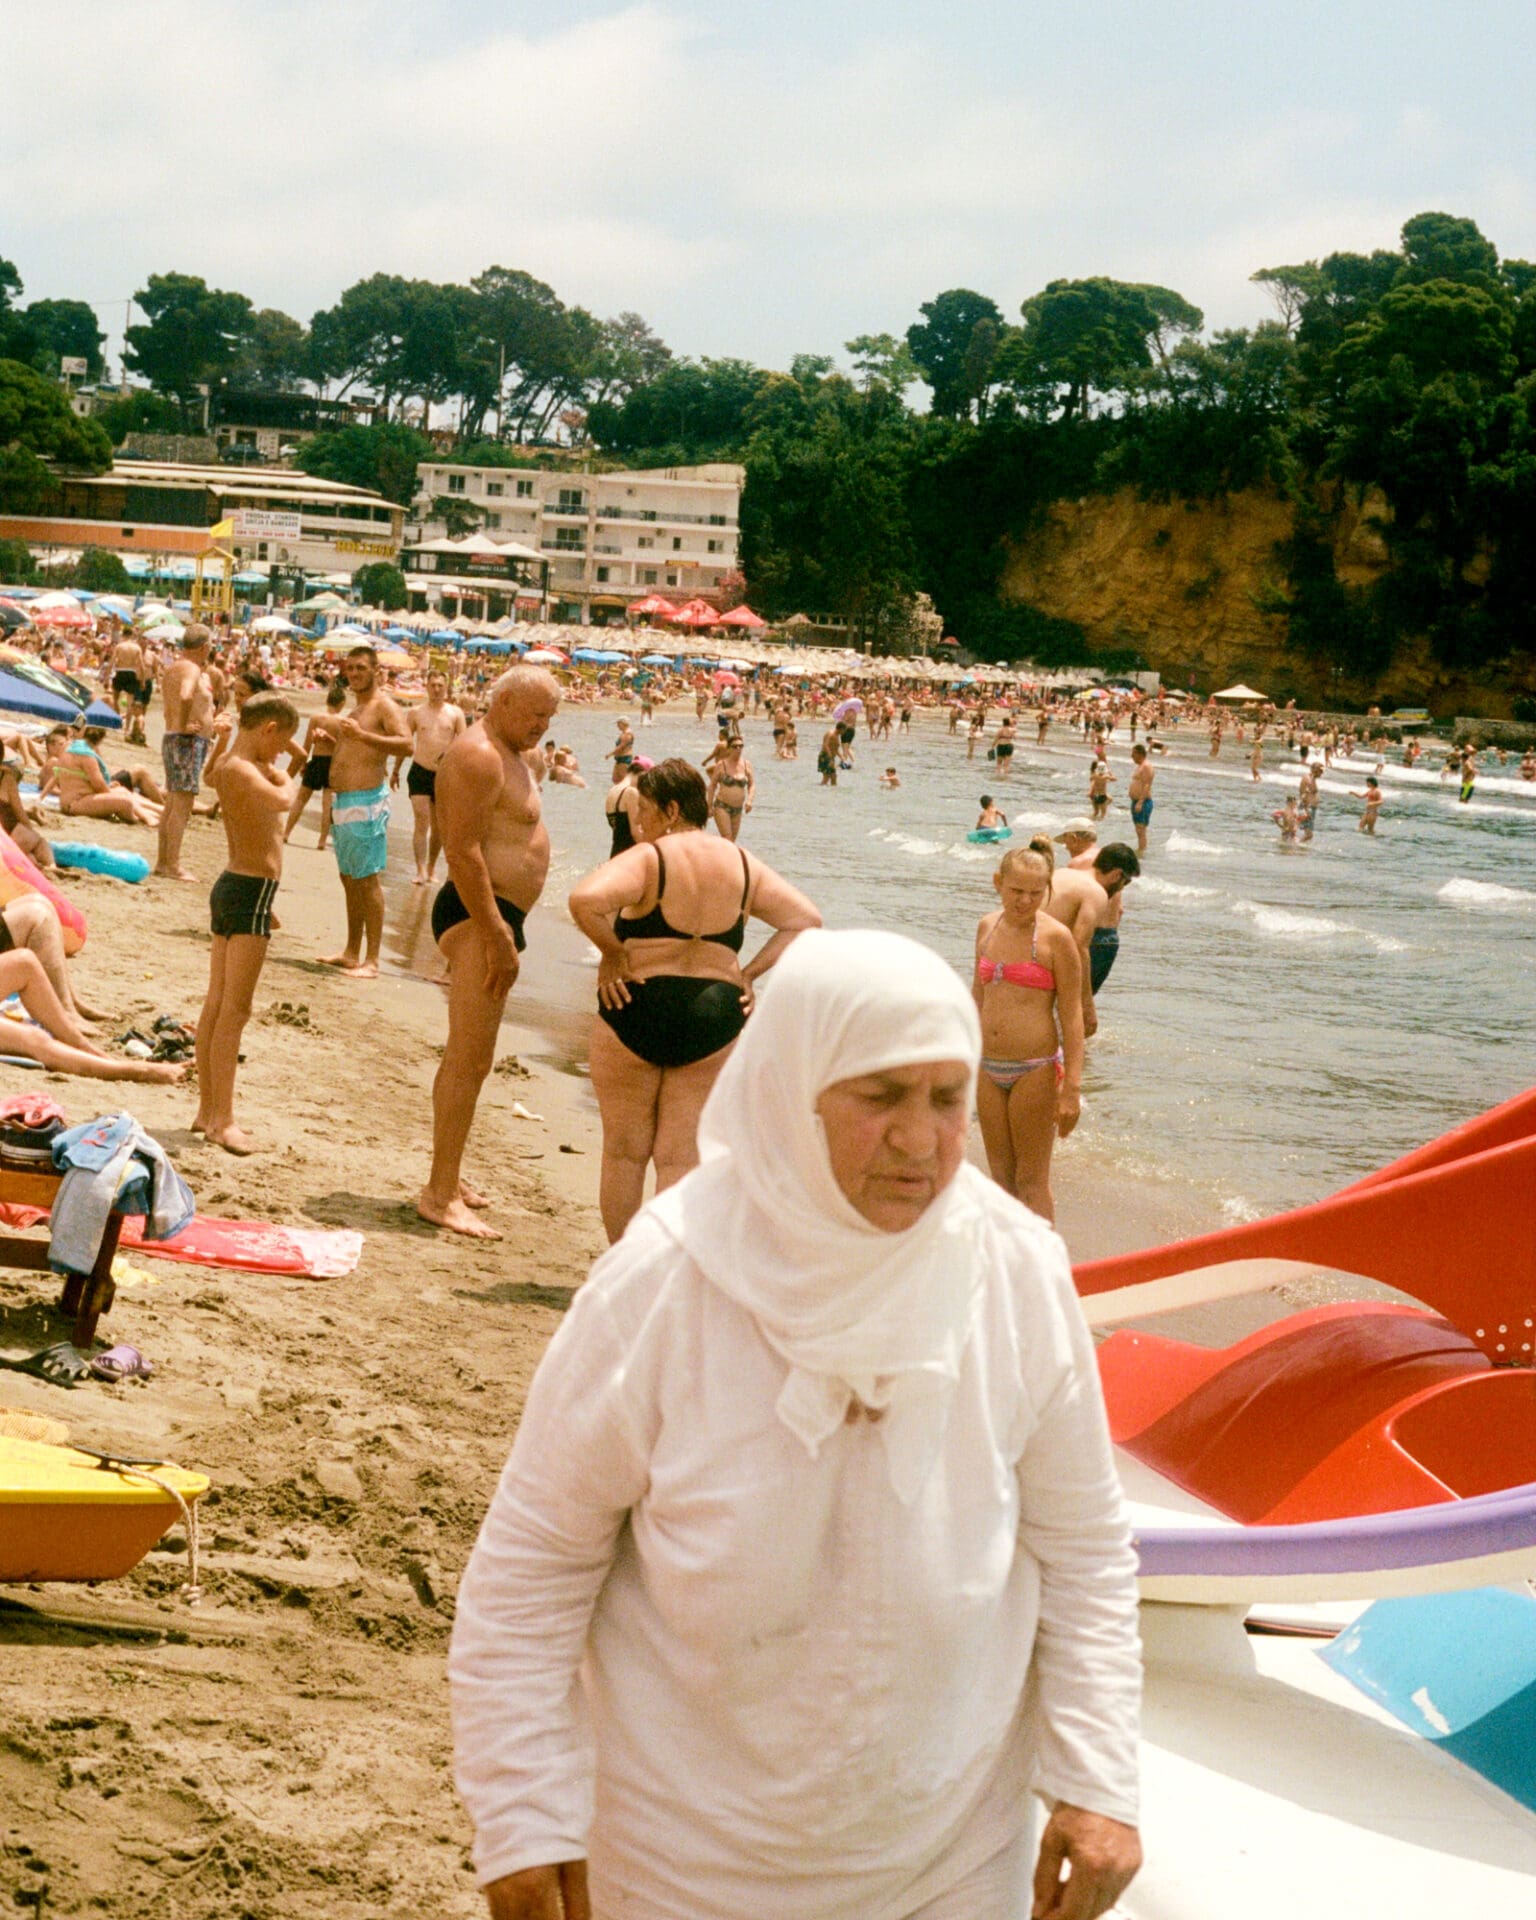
pixel 672 993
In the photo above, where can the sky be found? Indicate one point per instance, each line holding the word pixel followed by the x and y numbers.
pixel 756 180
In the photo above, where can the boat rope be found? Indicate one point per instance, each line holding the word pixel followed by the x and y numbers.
pixel 192 1592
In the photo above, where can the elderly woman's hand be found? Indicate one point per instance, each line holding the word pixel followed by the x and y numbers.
pixel 542 1893
pixel 1104 1856
pixel 613 976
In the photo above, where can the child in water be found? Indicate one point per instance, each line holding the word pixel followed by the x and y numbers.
pixel 1100 779
pixel 991 814
pixel 890 778
pixel 1288 819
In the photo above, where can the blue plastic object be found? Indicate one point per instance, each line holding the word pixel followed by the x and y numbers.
pixel 1458 1668
pixel 121 865
pixel 981 834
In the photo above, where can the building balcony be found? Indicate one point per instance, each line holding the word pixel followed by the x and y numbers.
pixel 664 517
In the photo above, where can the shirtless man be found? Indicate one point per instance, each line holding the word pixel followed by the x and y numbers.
pixel 497 848
pixel 1140 791
pixel 129 671
pixel 188 699
pixel 365 741
pixel 826 758
pixel 1002 747
pixel 1082 899
pixel 433 730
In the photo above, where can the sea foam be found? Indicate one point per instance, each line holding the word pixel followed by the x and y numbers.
pixel 1485 896
pixel 1187 843
pixel 1279 923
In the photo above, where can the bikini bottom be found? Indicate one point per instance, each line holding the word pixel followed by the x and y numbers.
pixel 1006 1074
pixel 674 1019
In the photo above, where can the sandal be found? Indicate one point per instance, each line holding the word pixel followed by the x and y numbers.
pixel 171 1028
pixel 60 1366
pixel 121 1363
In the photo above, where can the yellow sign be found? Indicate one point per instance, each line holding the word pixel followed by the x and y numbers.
pixel 364 546
pixel 225 530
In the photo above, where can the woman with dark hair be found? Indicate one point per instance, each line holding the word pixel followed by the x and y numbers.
pixel 668 918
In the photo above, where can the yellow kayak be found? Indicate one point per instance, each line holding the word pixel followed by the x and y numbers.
pixel 65 1516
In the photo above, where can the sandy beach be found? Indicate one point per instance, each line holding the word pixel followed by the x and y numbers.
pixel 282 1749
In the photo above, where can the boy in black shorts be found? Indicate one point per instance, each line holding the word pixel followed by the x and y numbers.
pixel 255 797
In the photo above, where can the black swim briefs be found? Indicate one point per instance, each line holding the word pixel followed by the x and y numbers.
pixel 448 910
pixel 316 776
pixel 421 780
pixel 125 680
pixel 242 903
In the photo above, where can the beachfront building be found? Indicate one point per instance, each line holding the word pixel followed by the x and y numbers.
pixel 608 538
pixel 281 519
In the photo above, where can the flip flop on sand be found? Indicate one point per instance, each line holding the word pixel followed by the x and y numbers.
pixel 121 1363
pixel 61 1366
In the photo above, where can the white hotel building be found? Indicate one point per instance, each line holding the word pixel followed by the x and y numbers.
pixel 609 538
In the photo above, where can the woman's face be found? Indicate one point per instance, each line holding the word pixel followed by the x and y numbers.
pixel 896 1138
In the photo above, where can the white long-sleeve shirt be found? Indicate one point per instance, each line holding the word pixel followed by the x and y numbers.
pixel 743 1681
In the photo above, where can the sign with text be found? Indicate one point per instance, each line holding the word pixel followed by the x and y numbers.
pixel 73 363
pixel 251 524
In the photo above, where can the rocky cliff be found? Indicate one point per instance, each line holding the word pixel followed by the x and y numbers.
pixel 1193 584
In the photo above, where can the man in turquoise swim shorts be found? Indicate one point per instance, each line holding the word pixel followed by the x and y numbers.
pixel 366 739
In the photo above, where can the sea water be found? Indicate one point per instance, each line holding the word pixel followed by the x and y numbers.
pixel 1280 1020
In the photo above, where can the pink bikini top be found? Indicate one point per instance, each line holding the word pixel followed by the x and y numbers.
pixel 1017 973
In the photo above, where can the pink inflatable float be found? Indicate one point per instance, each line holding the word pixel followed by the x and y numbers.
pixel 18 876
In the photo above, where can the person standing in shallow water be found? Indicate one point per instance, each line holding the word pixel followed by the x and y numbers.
pixel 497 848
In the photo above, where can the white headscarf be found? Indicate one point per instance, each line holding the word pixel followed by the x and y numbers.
pixel 853 1309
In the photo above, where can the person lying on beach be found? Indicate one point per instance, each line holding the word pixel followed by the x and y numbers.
pixel 56 1042
pixel 78 776
pixel 137 780
pixel 23 745
pixel 255 796
pixel 564 767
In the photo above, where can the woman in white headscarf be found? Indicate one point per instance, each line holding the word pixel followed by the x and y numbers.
pixel 810 1561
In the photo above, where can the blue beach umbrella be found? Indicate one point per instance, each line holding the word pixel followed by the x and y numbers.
pixel 656 660
pixel 399 633
pixel 99 714
pixel 18 695
pixel 446 637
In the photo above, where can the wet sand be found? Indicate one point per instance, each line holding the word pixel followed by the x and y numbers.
pixel 282 1750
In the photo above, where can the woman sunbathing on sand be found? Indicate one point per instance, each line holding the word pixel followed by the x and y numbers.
pixel 56 1042
pixel 84 790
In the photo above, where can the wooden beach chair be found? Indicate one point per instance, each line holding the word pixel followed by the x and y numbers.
pixel 85 1297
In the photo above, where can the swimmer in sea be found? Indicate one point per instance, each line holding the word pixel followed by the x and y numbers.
pixel 890 778
pixel 1288 820
pixel 991 814
pixel 826 758
pixel 1468 774
pixel 1372 799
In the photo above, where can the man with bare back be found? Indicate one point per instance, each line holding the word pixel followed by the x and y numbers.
pixel 366 739
pixel 129 671
pixel 184 745
pixel 433 730
pixel 497 847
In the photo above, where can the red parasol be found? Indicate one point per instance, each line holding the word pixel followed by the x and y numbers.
pixel 653 604
pixel 742 617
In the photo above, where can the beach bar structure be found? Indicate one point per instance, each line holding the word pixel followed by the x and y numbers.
pixel 283 519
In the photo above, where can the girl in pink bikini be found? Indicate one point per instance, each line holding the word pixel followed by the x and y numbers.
pixel 1028 989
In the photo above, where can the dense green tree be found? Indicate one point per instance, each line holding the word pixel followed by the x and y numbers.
pixel 1440 246
pixel 381 584
pixel 67 329
pixel 949 357
pixel 193 336
pixel 383 457
pixel 276 354
pixel 698 407
pixel 38 432
pixel 141 412
pixel 99 570
pixel 1291 288
pixel 1085 337
pixel 17 567
pixel 882 358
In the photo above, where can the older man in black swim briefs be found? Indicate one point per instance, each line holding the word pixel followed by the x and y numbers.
pixel 491 820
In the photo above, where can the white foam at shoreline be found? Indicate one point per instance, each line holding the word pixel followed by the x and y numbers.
pixel 1279 923
pixel 1152 883
pixel 1187 843
pixel 1486 896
